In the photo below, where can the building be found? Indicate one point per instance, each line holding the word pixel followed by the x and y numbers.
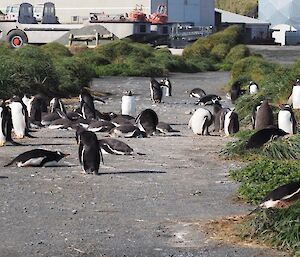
pixel 255 31
pixel 199 12
pixel 284 17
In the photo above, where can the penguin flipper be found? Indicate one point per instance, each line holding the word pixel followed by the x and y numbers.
pixel 10 163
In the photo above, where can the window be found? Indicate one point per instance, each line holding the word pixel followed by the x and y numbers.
pixel 143 28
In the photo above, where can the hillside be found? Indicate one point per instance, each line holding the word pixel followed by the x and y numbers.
pixel 244 7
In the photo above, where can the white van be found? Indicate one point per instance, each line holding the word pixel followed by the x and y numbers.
pixel 12 12
pixel 38 10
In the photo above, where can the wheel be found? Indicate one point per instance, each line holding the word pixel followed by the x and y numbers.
pixel 17 38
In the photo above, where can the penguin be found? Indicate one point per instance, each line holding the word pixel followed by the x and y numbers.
pixel 231 123
pixel 57 104
pixel 122 120
pixel 115 146
pixel 286 119
pixel 2 126
pixel 200 122
pixel 235 91
pixel 127 131
pixel 155 91
pixel 18 117
pixel 165 127
pixel 147 121
pixel 49 117
pixel 254 112
pixel 100 126
pixel 61 123
pixel 37 158
pixel 219 119
pixel 253 88
pixel 197 92
pixel 296 95
pixel 87 106
pixel 37 107
pixel 281 197
pixel 128 104
pixel 208 99
pixel 264 116
pixel 261 137
pixel 166 87
pixel 89 151
pixel 26 99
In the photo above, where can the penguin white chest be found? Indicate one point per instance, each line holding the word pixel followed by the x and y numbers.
pixel 199 121
pixel 253 89
pixel 2 133
pixel 227 123
pixel 296 97
pixel 285 121
pixel 128 105
pixel 18 119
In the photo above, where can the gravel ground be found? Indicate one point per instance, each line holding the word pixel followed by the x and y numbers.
pixel 140 205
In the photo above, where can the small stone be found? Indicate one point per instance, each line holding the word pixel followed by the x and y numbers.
pixel 74 212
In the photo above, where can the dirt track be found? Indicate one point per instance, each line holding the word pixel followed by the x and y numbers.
pixel 150 205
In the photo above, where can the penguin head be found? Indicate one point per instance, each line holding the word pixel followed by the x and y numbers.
pixel 61 155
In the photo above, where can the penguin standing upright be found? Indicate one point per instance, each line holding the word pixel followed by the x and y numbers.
pixel 264 116
pixel 18 117
pixel 89 151
pixel 219 119
pixel 128 104
pixel 155 91
pixel 296 95
pixel 231 124
pixel 57 104
pixel 253 88
pixel 166 87
pixel 235 91
pixel 254 112
pixel 200 121
pixel 2 126
pixel 286 119
pixel 87 106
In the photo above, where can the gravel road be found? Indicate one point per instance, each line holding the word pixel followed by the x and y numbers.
pixel 142 205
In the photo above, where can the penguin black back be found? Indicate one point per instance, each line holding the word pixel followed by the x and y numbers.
pixel 155 91
pixel 235 91
pixel 89 152
pixel 147 121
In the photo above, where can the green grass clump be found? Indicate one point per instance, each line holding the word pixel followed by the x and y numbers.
pixel 283 148
pixel 264 175
pixel 55 50
pixel 280 228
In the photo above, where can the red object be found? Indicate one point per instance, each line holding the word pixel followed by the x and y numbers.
pixel 138 15
pixel 160 17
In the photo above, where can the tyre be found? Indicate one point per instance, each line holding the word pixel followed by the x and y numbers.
pixel 17 38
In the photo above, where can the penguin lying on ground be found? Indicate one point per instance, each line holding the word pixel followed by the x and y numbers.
pixel 127 131
pixel 100 126
pixel 282 197
pixel 115 146
pixel 261 137
pixel 147 121
pixel 37 158
pixel 165 127
pixel 197 92
pixel 208 99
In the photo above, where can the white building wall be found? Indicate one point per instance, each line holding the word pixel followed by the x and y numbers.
pixel 200 12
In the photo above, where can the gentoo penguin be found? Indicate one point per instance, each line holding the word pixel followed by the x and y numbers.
pixel 61 123
pixel 57 104
pixel 155 91
pixel 261 137
pixel 281 197
pixel 2 126
pixel 253 88
pixel 166 87
pixel 49 117
pixel 235 91
pixel 122 120
pixel 231 123
pixel 296 95
pixel 26 99
pixel 208 99
pixel 220 119
pixel 87 106
pixel 264 116
pixel 197 92
pixel 200 121
pixel 89 151
pixel 147 121
pixel 286 119
pixel 100 126
pixel 254 112
pixel 18 117
pixel 165 127
pixel 37 158
pixel 115 146
pixel 36 109
pixel 128 104
pixel 127 131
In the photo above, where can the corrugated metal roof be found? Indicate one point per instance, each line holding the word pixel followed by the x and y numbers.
pixel 236 18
